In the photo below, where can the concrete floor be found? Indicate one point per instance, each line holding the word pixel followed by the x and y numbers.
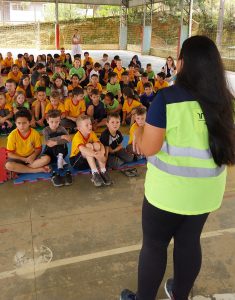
pixel 95 238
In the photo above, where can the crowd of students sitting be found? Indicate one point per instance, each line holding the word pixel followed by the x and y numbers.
pixel 63 97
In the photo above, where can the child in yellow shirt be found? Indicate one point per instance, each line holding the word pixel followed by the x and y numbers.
pixel 55 104
pixel 7 63
pixel 119 69
pixel 130 103
pixel 140 117
pixel 24 147
pixel 74 107
pixel 140 84
pixel 11 89
pixel 160 83
pixel 15 74
pixel 87 152
pixel 6 114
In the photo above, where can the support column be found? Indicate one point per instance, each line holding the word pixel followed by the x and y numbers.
pixel 186 22
pixel 57 26
pixel 147 26
pixel 123 25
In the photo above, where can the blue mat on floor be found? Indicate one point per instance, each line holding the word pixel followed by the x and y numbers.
pixel 31 177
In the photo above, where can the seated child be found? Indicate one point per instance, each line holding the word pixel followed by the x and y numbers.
pixel 44 81
pixel 147 97
pixel 160 83
pixel 94 82
pixel 96 70
pixel 150 72
pixel 140 84
pixel 125 81
pixel 112 139
pixel 96 110
pixel 60 87
pixel 87 96
pixel 58 72
pixel 7 63
pixel 62 54
pixel 111 104
pixel 11 89
pixel 56 138
pixel 77 69
pixel 39 107
pixel 104 74
pixel 140 117
pixel 55 104
pixel 129 106
pixel 75 82
pixel 113 86
pixel 87 150
pixel 20 102
pixel 119 69
pixel 74 107
pixel 87 58
pixel 15 74
pixel 6 115
pixel 24 147
pixel 88 68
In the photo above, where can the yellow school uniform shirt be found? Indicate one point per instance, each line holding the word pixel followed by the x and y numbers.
pixel 79 140
pixel 7 106
pixel 74 110
pixel 86 60
pixel 50 107
pixel 140 87
pixel 62 57
pixel 159 86
pixel 23 145
pixel 132 131
pixel 71 87
pixel 98 86
pixel 132 75
pixel 129 106
pixel 15 77
pixel 36 101
pixel 9 98
pixel 20 64
pixel 7 62
pixel 20 89
pixel 119 72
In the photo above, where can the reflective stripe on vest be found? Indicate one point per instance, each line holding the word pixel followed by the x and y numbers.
pixel 185 171
pixel 183 151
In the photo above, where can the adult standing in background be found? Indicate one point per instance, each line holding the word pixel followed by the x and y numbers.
pixel 189 138
pixel 169 69
pixel 76 47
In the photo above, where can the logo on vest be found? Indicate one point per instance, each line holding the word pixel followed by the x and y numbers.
pixel 201 116
pixel 199 120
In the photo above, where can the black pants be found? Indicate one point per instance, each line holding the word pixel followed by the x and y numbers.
pixel 158 228
pixel 54 151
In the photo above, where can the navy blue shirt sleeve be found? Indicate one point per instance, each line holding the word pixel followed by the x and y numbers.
pixel 156 115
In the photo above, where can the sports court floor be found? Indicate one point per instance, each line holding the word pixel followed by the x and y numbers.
pixel 82 242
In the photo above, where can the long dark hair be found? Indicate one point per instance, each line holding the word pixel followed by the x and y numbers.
pixel 28 91
pixel 202 73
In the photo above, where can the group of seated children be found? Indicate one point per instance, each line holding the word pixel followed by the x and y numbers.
pixel 62 104
pixel 87 151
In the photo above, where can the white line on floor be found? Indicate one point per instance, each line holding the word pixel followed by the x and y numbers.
pixel 87 257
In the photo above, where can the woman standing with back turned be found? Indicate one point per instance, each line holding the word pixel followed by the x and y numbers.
pixel 189 138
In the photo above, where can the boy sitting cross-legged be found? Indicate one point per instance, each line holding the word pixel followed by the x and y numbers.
pixel 112 139
pixel 24 147
pixel 87 150
pixel 56 138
